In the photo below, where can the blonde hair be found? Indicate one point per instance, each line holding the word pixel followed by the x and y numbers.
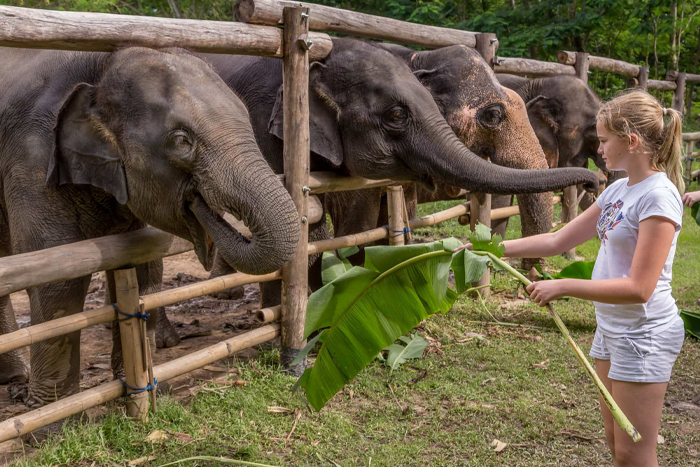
pixel 638 112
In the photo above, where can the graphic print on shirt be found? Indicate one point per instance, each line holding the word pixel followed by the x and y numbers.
pixel 609 218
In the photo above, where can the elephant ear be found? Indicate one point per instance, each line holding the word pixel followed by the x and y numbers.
pixel 546 110
pixel 324 130
pixel 82 153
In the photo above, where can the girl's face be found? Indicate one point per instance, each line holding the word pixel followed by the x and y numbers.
pixel 614 149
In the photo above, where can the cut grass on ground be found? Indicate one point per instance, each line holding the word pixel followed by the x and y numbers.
pixel 477 382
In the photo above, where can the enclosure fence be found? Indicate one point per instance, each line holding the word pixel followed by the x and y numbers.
pixel 296 45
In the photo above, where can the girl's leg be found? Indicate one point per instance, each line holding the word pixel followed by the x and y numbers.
pixel 602 367
pixel 642 403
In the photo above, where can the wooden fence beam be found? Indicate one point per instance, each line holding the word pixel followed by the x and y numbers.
pixel 660 85
pixel 101 32
pixel 601 63
pixel 679 94
pixel 526 66
pixel 326 18
pixel 296 169
pixel 686 137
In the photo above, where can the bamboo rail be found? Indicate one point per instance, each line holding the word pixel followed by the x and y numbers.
pixel 22 424
pixel 103 32
pixel 661 85
pixel 395 207
pixel 269 315
pixel 691 136
pixel 601 63
pixel 526 66
pixel 356 24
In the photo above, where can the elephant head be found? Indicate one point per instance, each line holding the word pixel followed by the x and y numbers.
pixel 370 115
pixel 489 119
pixel 165 136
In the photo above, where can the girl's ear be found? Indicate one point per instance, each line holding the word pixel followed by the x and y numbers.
pixel 633 140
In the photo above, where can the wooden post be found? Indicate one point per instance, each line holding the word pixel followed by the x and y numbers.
pixel 480 203
pixel 643 77
pixel 296 169
pixel 688 161
pixel 679 94
pixel 133 333
pixel 395 206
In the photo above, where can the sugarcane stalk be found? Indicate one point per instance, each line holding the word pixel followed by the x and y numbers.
pixel 615 410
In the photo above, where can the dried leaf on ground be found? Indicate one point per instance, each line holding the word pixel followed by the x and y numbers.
pixel 542 365
pixel 157 436
pixel 277 409
pixel 498 445
pixel 660 439
pixel 141 460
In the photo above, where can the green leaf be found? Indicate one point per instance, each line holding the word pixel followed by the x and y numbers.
pixel 332 267
pixel 346 252
pixel 544 274
pixel 481 241
pixel 320 337
pixel 368 310
pixel 398 354
pixel 468 268
pixel 577 270
pixel 695 212
pixel 691 319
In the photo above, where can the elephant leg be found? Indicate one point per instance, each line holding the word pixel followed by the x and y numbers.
pixel 271 292
pixel 222 268
pixel 353 212
pixel 55 363
pixel 13 365
pixel 150 279
pixel 499 226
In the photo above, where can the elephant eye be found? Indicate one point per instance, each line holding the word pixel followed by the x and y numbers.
pixel 179 143
pixel 491 116
pixel 396 118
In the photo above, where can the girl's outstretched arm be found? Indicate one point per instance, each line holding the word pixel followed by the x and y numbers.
pixel 576 232
pixel 653 245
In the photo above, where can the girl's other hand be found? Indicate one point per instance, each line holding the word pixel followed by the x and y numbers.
pixel 543 292
pixel 468 246
pixel 691 198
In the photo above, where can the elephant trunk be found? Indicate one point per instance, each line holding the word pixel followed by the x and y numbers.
pixel 255 196
pixel 458 166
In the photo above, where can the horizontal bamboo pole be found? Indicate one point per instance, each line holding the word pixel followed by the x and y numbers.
pixel 56 411
pixel 672 75
pixel 661 85
pixel 101 32
pixel 217 284
pixel 526 66
pixel 324 182
pixel 269 315
pixel 691 136
pixel 326 18
pixel 601 63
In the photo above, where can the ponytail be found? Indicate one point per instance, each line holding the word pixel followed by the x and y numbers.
pixel 658 128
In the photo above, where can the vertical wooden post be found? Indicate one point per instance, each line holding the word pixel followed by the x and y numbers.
pixel 480 203
pixel 643 77
pixel 688 162
pixel 569 205
pixel 395 208
pixel 679 93
pixel 132 332
pixel 296 169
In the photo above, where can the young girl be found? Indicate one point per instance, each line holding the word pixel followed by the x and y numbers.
pixel 637 219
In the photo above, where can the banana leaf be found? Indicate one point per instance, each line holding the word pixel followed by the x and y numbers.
pixel 368 308
pixel 691 319
pixel 576 270
pixel 695 212
pixel 398 354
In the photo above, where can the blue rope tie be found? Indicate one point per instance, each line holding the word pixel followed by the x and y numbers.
pixel 403 231
pixel 134 390
pixel 691 159
pixel 138 314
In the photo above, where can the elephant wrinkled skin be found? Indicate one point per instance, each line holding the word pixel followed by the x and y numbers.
pixel 94 144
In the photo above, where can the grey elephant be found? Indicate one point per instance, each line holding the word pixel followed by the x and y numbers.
pixel 562 111
pixel 486 117
pixel 95 144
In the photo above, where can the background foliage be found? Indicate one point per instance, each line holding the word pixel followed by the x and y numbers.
pixel 663 34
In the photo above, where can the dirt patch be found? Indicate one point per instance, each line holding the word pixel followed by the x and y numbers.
pixel 200 322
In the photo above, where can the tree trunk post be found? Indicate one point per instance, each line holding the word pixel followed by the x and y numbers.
pixel 689 160
pixel 296 169
pixel 480 203
pixel 134 344
pixel 643 77
pixel 395 206
pixel 679 94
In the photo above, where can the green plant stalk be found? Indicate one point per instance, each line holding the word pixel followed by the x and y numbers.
pixel 221 460
pixel 617 413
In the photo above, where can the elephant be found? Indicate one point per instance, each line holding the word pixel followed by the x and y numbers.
pixel 489 119
pixel 562 111
pixel 371 117
pixel 94 144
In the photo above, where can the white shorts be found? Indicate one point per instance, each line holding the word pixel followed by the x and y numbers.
pixel 641 360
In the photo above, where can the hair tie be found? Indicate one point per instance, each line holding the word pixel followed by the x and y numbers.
pixel 665 111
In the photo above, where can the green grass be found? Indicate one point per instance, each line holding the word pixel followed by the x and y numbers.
pixel 469 390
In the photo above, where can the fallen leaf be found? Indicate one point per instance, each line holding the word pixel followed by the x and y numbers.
pixel 487 381
pixel 232 382
pixel 315 443
pixel 157 436
pixel 498 445
pixel 529 337
pixel 141 460
pixel 660 439
pixel 541 365
pixel 673 422
pixel 276 409
pixel 182 437
pixel 215 368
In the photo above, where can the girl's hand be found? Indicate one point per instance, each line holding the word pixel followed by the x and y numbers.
pixel 543 292
pixel 691 198
pixel 468 246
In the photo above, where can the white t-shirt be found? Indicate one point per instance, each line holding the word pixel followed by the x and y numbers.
pixel 623 208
